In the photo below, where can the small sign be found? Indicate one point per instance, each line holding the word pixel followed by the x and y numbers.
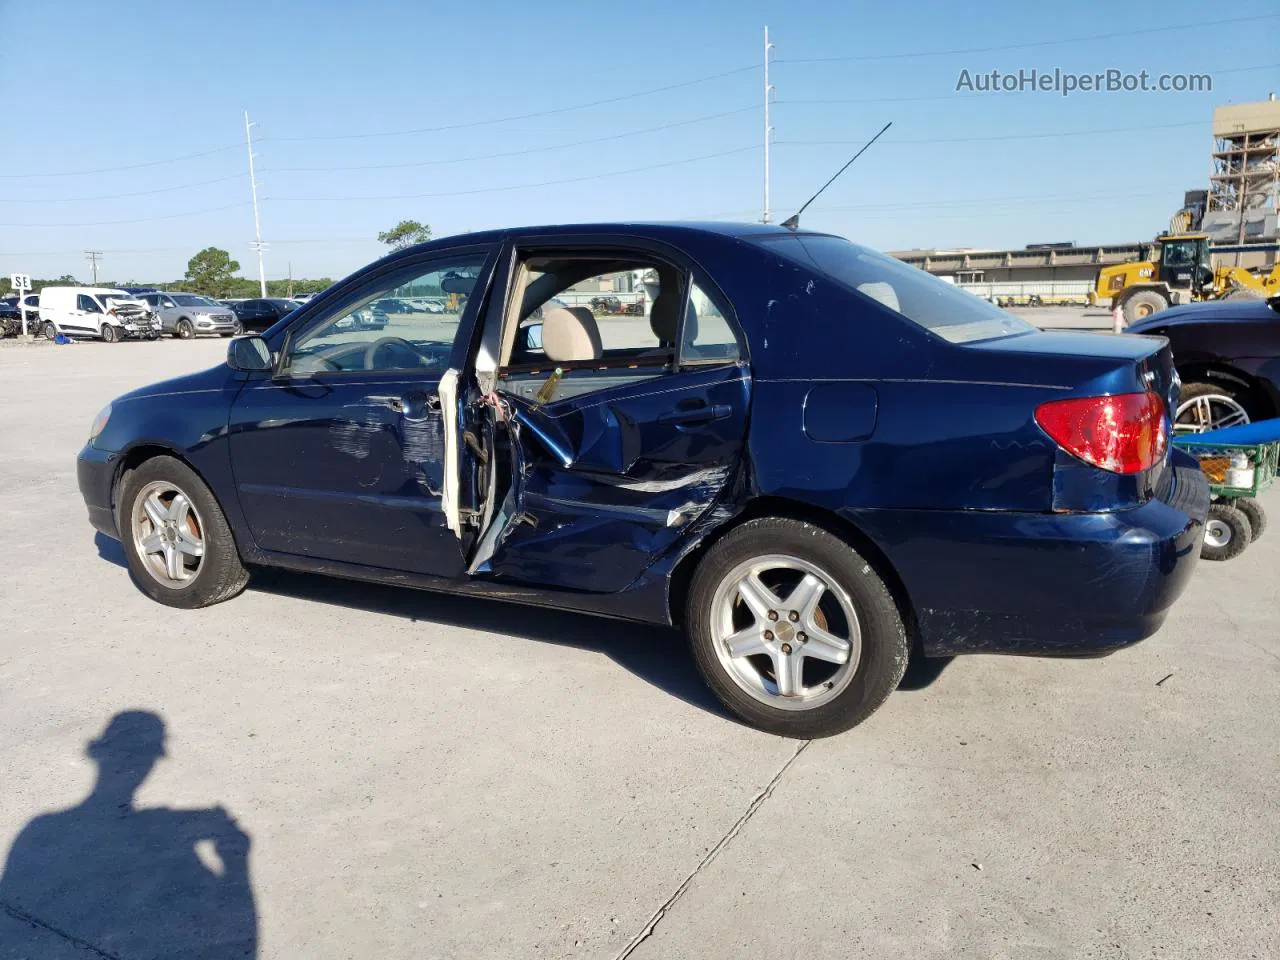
pixel 19 281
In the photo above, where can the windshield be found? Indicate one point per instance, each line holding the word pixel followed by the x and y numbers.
pixel 909 292
pixel 191 300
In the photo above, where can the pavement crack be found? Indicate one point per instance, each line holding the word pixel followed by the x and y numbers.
pixel 24 917
pixel 756 803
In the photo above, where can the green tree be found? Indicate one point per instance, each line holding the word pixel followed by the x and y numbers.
pixel 405 234
pixel 210 272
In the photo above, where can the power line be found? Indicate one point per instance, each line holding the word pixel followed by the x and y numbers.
pixel 1010 136
pixel 518 116
pixel 522 186
pixel 122 196
pixel 131 166
pixel 113 223
pixel 1004 47
pixel 518 153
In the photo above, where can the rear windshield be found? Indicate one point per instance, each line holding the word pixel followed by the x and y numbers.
pixel 908 291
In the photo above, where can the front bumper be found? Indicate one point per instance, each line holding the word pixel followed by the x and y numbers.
pixel 1081 584
pixel 96 475
pixel 210 325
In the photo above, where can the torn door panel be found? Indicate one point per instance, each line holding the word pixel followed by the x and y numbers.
pixel 600 488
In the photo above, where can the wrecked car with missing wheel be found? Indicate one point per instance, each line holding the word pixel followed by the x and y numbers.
pixel 809 456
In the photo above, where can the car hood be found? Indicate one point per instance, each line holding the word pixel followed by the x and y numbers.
pixel 215 378
pixel 1217 311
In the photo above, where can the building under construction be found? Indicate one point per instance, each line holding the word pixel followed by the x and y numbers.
pixel 1244 176
pixel 1239 210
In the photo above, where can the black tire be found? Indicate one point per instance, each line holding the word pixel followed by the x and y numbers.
pixel 884 645
pixel 1256 515
pixel 220 576
pixel 184 330
pixel 1229 530
pixel 110 334
pixel 49 330
pixel 1229 392
pixel 1140 305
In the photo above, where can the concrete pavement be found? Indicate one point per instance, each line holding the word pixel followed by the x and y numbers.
pixel 425 776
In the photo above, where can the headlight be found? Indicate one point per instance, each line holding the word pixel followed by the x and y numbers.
pixel 100 422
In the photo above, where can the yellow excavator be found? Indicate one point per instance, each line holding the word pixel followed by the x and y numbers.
pixel 1183 273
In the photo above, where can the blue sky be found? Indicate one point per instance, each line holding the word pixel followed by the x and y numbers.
pixel 334 85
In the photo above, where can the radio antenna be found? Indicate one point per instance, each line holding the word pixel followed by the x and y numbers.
pixel 793 221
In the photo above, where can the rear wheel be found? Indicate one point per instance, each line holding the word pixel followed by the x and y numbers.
pixel 1252 509
pixel 1209 406
pixel 176 538
pixel 793 630
pixel 1143 304
pixel 110 334
pixel 184 329
pixel 1226 533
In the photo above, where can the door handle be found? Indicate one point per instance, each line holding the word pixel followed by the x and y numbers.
pixel 702 414
pixel 413 406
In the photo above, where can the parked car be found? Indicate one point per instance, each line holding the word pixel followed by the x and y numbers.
pixel 185 315
pixel 104 312
pixel 810 457
pixel 11 318
pixel 1227 353
pixel 257 315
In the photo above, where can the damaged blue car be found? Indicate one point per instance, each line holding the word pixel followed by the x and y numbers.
pixel 811 457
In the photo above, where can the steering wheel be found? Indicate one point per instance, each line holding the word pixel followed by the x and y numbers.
pixel 371 352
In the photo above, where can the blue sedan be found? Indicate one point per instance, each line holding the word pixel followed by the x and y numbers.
pixel 811 457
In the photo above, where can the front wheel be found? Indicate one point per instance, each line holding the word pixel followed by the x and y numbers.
pixel 1140 305
pixel 793 630
pixel 176 538
pixel 110 334
pixel 1226 533
pixel 185 330
pixel 50 331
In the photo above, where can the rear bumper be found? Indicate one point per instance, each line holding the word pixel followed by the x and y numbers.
pixel 95 473
pixel 1073 585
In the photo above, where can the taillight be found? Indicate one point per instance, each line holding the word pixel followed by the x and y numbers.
pixel 1122 434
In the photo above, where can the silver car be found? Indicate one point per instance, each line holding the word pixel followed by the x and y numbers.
pixel 187 314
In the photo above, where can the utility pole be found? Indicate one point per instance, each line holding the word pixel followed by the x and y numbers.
pixel 257 226
pixel 768 130
pixel 93 256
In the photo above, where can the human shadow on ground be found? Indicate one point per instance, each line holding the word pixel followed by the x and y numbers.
pixel 107 878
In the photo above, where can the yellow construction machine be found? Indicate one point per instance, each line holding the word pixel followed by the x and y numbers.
pixel 1183 273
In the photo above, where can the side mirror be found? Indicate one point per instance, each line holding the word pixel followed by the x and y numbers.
pixel 533 337
pixel 249 355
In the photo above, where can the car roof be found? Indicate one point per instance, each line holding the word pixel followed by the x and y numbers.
pixel 658 230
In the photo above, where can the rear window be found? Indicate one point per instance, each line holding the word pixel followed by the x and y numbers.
pixel 908 291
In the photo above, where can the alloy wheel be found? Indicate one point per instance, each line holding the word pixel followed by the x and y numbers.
pixel 786 632
pixel 168 534
pixel 1210 411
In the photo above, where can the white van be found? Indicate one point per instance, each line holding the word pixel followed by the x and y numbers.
pixel 95 312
